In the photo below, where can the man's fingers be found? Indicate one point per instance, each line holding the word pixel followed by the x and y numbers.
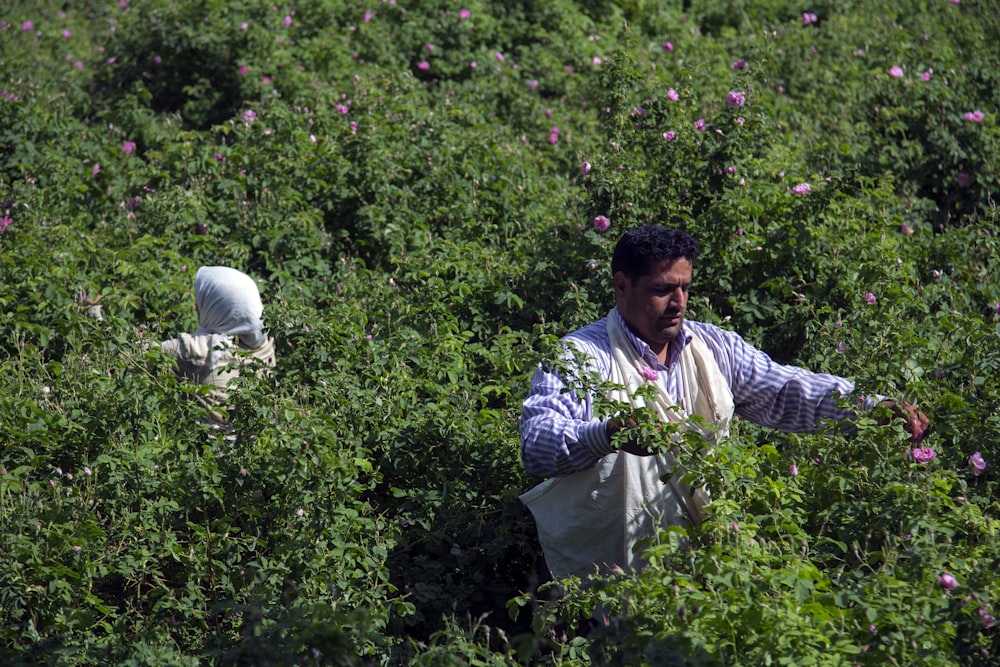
pixel 918 422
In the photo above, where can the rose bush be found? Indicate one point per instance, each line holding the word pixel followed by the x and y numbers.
pixel 428 193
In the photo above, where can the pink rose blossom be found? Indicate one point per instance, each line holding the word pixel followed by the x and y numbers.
pixel 740 64
pixel 668 47
pixel 669 136
pixel 700 125
pixel 974 116
pixel 96 169
pixel 499 56
pixel 736 99
pixel 896 72
pixel 288 21
pixel 601 223
pixel 424 65
pixel 801 188
pixel 367 16
pixel 977 463
pixel 808 17
pixel 985 618
pixel 464 13
pixel 923 454
pixel 67 34
pixel 244 26
pixel 793 470
pixel 948 580
pixel 128 147
pixel 672 95
pixel 27 26
pixel 585 168
pixel 870 299
pixel 926 76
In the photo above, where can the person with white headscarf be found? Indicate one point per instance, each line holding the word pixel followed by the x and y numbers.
pixel 230 335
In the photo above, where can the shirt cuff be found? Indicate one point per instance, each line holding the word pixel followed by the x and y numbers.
pixel 594 436
pixel 870 401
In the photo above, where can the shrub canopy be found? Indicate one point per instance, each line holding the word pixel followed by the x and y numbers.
pixel 415 185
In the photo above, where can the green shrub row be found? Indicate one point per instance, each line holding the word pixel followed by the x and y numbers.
pixel 415 186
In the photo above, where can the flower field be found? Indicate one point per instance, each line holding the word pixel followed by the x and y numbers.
pixel 428 192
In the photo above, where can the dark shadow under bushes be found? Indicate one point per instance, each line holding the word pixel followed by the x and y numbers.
pixel 175 58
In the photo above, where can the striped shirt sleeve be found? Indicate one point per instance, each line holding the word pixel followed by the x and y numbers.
pixel 787 398
pixel 559 433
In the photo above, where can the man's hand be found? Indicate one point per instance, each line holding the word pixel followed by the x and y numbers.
pixel 916 421
pixel 631 447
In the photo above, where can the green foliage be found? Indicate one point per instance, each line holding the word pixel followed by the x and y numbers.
pixel 405 181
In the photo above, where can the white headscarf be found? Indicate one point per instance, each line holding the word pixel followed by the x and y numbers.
pixel 229 305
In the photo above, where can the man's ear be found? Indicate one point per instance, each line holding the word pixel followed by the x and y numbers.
pixel 621 283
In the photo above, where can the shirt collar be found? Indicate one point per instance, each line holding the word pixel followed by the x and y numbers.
pixel 677 345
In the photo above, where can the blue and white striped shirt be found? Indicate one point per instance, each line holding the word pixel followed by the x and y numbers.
pixel 560 435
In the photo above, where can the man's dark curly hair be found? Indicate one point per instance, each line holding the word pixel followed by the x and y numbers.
pixel 641 248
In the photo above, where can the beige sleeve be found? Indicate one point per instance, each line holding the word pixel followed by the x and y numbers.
pixel 172 347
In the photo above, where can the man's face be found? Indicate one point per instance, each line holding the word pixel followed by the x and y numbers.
pixel 654 304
